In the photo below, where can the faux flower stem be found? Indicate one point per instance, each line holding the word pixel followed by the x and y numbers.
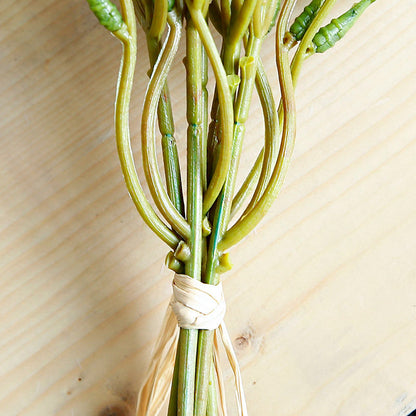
pixel 173 398
pixel 204 105
pixel 248 222
pixel 200 235
pixel 248 185
pixel 301 54
pixel 271 138
pixel 226 108
pixel 221 218
pixel 151 169
pixel 160 14
pixel 238 28
pixel 189 337
pixel 212 403
pixel 240 20
pixel 167 129
pixel 127 35
pixel 296 65
pixel 265 94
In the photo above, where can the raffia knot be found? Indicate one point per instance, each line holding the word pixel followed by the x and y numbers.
pixel 197 305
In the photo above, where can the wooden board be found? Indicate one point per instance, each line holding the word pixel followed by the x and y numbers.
pixel 322 298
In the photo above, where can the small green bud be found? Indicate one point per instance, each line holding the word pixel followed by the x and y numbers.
pixel 107 14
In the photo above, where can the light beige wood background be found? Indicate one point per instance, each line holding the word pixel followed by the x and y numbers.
pixel 322 298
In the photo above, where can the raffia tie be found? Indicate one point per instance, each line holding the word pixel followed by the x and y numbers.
pixel 194 305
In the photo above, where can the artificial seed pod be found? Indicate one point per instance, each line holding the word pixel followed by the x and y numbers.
pixel 303 21
pixel 328 35
pixel 107 14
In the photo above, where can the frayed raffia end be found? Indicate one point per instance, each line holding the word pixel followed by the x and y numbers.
pixel 194 305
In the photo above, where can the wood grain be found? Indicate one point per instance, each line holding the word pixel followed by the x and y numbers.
pixel 322 297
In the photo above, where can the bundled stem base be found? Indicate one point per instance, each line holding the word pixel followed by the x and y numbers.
pixel 196 306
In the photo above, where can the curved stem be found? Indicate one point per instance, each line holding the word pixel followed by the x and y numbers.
pixel 271 16
pixel 167 129
pixel 188 338
pixel 241 17
pixel 301 54
pixel 160 14
pixel 296 65
pixel 226 109
pixel 204 105
pixel 150 164
pixel 247 223
pixel 237 30
pixel 248 185
pixel 271 142
pixel 212 402
pixel 122 107
pixel 225 12
pixel 222 215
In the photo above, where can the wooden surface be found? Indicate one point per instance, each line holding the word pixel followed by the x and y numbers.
pixel 322 298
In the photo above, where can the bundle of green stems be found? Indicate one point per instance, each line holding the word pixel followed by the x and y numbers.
pixel 196 228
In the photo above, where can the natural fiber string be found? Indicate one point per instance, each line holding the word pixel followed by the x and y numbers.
pixel 194 305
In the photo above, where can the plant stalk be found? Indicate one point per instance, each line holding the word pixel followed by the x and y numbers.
pixel 167 130
pixel 188 338
pixel 221 218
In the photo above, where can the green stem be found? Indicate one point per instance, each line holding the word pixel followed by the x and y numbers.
pixel 301 54
pixel 187 346
pixel 173 400
pixel 241 15
pixel 226 108
pixel 242 228
pixel 167 129
pixel 204 105
pixel 188 338
pixel 150 164
pixel 248 185
pixel 248 222
pixel 271 144
pixel 212 405
pixel 221 218
pixel 160 14
pixel 239 23
pixel 127 35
